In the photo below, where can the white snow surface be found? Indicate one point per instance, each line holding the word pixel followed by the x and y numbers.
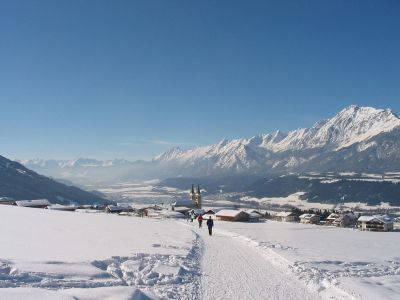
pixel 47 254
pixel 54 250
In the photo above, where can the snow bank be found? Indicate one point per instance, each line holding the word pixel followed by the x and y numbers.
pixel 91 253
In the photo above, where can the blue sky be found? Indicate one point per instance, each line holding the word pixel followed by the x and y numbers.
pixel 130 79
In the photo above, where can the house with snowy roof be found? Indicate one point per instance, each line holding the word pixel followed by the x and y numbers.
pixel 232 215
pixel 286 216
pixel 114 209
pixel 37 203
pixel 309 219
pixel 345 220
pixel 61 207
pixel 254 215
pixel 375 223
pixel 127 207
pixel 331 218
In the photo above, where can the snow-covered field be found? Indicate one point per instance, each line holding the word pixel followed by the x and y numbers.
pixel 47 254
pixel 292 200
pixel 94 256
pixel 141 192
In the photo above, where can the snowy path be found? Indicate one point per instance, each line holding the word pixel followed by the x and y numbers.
pixel 233 270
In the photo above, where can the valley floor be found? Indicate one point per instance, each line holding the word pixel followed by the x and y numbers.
pixel 63 255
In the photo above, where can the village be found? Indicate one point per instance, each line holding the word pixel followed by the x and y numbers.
pixel 192 207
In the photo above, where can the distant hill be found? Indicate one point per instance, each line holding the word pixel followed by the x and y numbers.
pixel 331 188
pixel 18 182
pixel 316 187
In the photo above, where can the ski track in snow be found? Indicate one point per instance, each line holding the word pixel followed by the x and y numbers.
pixel 248 278
pixel 232 269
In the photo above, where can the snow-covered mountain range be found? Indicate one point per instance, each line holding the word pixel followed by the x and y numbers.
pixel 357 139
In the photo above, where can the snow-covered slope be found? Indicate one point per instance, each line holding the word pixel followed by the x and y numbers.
pixel 18 182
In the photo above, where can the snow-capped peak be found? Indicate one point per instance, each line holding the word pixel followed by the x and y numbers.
pixel 351 125
pixel 171 153
pixel 355 124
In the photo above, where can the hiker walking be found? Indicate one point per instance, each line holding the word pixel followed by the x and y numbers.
pixel 210 224
pixel 200 219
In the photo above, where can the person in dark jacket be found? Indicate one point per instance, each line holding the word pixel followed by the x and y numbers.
pixel 210 224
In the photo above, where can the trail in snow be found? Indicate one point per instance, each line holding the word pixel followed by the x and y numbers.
pixel 234 270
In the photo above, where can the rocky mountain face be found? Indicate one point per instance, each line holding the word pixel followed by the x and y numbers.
pixel 357 139
pixel 20 183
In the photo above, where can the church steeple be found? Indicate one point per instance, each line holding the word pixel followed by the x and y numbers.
pixel 195 196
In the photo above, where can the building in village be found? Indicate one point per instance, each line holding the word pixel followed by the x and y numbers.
pixel 309 219
pixel 209 213
pixel 346 220
pixel 232 215
pixel 254 215
pixel 199 212
pixel 331 218
pixel 194 201
pixel 375 223
pixel 115 209
pixel 286 216
pixel 37 203
pixel 61 207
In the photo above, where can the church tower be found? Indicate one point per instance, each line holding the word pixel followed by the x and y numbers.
pixel 195 196
pixel 192 195
pixel 198 197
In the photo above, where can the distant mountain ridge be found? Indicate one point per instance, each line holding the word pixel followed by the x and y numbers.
pixel 357 139
pixel 356 135
pixel 20 183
